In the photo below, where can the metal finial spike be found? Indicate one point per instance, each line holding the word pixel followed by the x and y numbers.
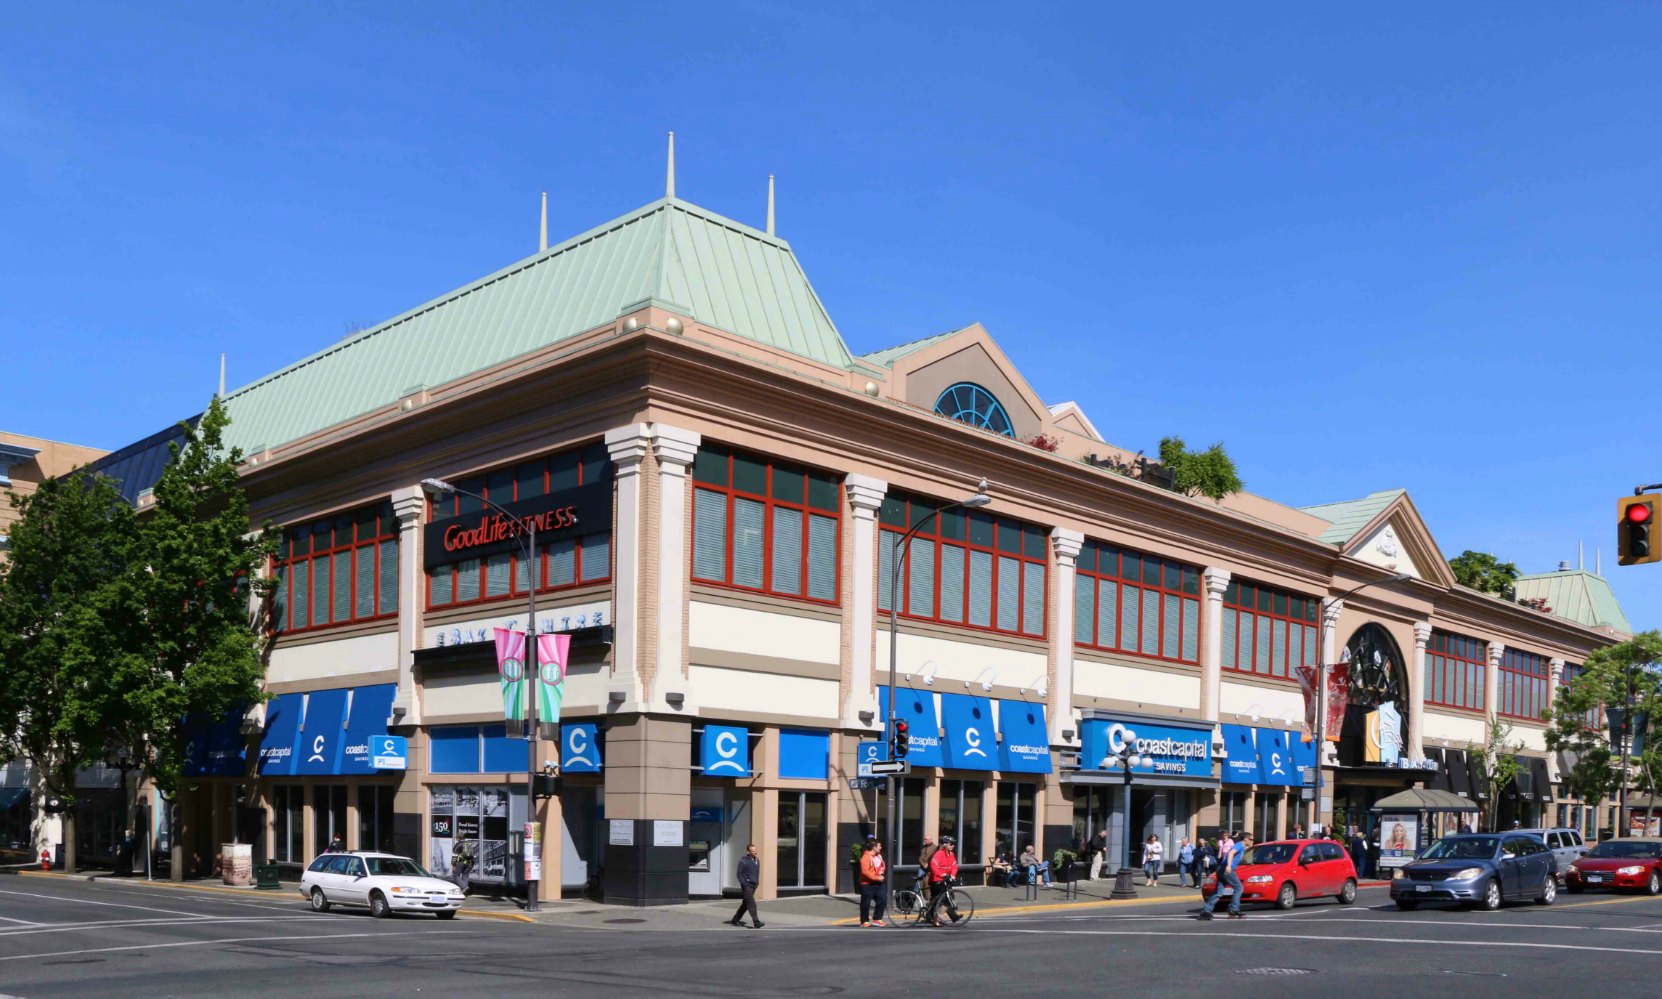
pixel 669 178
pixel 542 231
pixel 222 375
pixel 770 204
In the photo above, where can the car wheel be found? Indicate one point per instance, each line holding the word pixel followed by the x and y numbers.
pixel 1285 898
pixel 1549 892
pixel 1491 896
pixel 1654 885
pixel 446 914
pixel 1347 894
pixel 319 902
pixel 378 906
pixel 1408 904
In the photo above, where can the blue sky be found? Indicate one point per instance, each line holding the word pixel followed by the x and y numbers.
pixel 1413 245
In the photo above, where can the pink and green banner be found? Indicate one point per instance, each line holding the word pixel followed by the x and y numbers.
pixel 553 652
pixel 510 669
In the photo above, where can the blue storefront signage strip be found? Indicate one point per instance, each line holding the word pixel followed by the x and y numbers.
pixel 804 754
pixel 580 748
pixel 917 709
pixel 726 751
pixel 1268 757
pixel 1023 738
pixel 282 725
pixel 1240 743
pixel 1166 750
pixel 215 747
pixel 1276 766
pixel 971 739
pixel 1304 758
pixel 368 718
pixel 322 733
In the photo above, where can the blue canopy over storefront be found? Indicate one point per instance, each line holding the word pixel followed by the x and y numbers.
pixel 917 709
pixel 282 726
pixel 1241 745
pixel 367 719
pixel 326 732
pixel 1023 738
pixel 215 747
pixel 971 740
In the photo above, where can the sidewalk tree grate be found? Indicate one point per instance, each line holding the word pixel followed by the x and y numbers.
pixel 623 920
pixel 1272 972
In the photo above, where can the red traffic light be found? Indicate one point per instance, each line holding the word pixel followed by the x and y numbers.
pixel 1638 513
pixel 900 728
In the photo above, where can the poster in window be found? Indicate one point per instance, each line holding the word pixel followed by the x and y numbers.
pixel 467 827
pixel 493 801
pixel 467 800
pixel 444 801
pixel 443 827
pixel 495 863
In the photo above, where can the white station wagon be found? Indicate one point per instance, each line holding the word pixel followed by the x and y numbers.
pixel 381 882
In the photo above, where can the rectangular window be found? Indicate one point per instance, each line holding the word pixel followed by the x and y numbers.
pixel 562 563
pixel 1454 671
pixel 288 824
pixel 375 826
pixel 338 570
pixel 1016 820
pixel 1593 718
pixel 1274 631
pixel 966 568
pixel 960 817
pixel 766 526
pixel 1525 676
pixel 1144 605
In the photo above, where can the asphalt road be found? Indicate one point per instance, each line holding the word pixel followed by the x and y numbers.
pixel 70 939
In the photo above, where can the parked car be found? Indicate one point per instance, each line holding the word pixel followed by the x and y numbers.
pixel 1285 871
pixel 1566 845
pixel 1619 863
pixel 380 882
pixel 1481 869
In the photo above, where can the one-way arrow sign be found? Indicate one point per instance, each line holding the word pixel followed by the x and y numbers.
pixel 880 768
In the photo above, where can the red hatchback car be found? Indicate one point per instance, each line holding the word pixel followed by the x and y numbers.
pixel 1287 870
pixel 1619 863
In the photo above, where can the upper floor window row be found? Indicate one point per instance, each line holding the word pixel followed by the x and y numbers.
pixel 1593 717
pixel 338 570
pixel 562 563
pixel 1125 601
pixel 964 568
pixel 1268 631
pixel 765 526
pixel 1455 671
pixel 1521 685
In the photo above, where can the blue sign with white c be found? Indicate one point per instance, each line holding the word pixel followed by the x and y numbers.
pixel 580 748
pixel 389 752
pixel 867 754
pixel 726 751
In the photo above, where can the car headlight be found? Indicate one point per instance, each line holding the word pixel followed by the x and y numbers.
pixel 401 890
pixel 1466 874
pixel 1258 879
pixel 1635 869
pixel 1398 874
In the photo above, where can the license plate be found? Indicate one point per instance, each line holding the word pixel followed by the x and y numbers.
pixel 1422 887
pixel 1595 879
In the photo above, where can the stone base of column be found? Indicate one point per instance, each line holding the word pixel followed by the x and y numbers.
pixel 643 874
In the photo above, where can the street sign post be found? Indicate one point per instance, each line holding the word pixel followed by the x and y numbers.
pixel 881 768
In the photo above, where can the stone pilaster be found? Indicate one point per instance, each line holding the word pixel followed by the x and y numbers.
pixel 627 446
pixel 1067 545
pixel 1211 663
pixel 1491 682
pixel 675 450
pixel 1555 678
pixel 865 496
pixel 409 506
pixel 1416 693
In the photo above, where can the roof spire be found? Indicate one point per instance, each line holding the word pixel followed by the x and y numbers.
pixel 222 374
pixel 542 230
pixel 1581 556
pixel 1598 562
pixel 770 204
pixel 669 178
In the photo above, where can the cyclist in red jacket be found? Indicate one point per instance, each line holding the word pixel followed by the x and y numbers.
pixel 943 871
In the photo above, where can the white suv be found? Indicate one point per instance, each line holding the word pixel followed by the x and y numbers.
pixel 382 882
pixel 1565 844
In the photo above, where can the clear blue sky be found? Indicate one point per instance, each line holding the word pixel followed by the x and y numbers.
pixel 1413 245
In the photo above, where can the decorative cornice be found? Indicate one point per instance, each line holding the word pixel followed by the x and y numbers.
pixel 673 446
pixel 864 492
pixel 628 446
pixel 1422 635
pixel 1217 581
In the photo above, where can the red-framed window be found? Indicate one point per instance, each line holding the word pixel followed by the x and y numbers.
pixel 562 563
pixel 1126 601
pixel 1522 685
pixel 965 568
pixel 338 570
pixel 765 526
pixel 1268 631
pixel 1456 670
pixel 1593 719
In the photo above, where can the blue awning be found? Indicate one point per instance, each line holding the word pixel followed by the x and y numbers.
pixel 1276 763
pixel 971 741
pixel 917 709
pixel 318 749
pixel 215 748
pixel 282 725
pixel 368 718
pixel 1024 740
pixel 804 754
pixel 1241 744
pixel 10 796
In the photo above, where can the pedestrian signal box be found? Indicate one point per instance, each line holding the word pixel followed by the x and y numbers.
pixel 1637 529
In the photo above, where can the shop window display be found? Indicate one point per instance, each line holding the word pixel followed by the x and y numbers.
pixel 476 819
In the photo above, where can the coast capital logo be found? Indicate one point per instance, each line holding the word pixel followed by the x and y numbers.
pixel 722 751
pixel 577 747
pixel 972 742
pixel 317 749
pixel 1276 767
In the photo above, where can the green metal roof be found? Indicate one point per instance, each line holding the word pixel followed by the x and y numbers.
pixel 1350 516
pixel 718 271
pixel 1576 595
pixel 888 355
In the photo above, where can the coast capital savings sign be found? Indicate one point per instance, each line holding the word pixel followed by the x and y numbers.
pixel 1165 749
pixel 567 513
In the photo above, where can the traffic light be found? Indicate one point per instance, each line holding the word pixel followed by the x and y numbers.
pixel 902 739
pixel 1638 520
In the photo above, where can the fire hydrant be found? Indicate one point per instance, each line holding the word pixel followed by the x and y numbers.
pixel 46 859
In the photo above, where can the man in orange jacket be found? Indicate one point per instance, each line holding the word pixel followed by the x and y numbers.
pixel 872 894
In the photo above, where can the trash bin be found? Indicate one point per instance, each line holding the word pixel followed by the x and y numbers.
pixel 265 876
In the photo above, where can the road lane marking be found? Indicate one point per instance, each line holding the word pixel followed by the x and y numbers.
pixel 210 943
pixel 25 922
pixel 1311 937
pixel 88 901
pixel 133 924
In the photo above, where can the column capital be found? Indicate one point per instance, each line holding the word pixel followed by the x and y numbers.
pixel 864 492
pixel 1217 580
pixel 674 447
pixel 1068 543
pixel 1556 667
pixel 627 446
pixel 408 504
pixel 1496 650
pixel 1422 635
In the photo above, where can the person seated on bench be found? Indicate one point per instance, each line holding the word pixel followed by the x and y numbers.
pixel 998 872
pixel 1036 869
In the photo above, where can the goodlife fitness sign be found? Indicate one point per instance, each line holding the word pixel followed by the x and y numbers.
pixel 578 510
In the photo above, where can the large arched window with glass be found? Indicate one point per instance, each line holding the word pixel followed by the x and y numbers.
pixel 969 403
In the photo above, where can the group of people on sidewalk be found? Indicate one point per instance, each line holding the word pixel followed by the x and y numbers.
pixel 937 868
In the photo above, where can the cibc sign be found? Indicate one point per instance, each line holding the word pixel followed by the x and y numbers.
pixel 578 510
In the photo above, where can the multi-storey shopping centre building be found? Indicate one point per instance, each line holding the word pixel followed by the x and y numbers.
pixel 732 480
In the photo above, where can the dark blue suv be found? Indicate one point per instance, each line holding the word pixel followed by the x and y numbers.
pixel 1481 869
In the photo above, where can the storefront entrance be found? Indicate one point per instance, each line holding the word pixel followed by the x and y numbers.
pixel 718 831
pixel 803 840
pixel 485 821
pixel 583 845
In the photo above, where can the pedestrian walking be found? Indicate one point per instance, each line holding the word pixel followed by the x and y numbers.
pixel 1099 852
pixel 1186 863
pixel 336 845
pixel 1298 830
pixel 750 875
pixel 462 864
pixel 872 895
pixel 1205 860
pixel 1229 860
pixel 1154 858
pixel 1358 851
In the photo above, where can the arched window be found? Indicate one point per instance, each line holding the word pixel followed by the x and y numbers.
pixel 974 405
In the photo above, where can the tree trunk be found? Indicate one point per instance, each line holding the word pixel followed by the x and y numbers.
pixel 69 840
pixel 178 805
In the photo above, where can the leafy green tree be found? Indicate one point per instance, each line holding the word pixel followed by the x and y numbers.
pixel 1210 473
pixel 1498 763
pixel 1484 572
pixel 1613 677
pixel 57 614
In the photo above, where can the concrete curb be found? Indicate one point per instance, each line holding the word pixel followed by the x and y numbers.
pixel 1015 910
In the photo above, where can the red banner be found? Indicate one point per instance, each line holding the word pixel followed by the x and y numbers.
pixel 1307 687
pixel 1338 697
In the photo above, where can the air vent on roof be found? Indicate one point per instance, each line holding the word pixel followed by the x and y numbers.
pixel 1564 566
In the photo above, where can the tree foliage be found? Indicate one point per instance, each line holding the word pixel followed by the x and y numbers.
pixel 1210 473
pixel 1614 676
pixel 1484 572
pixel 1498 763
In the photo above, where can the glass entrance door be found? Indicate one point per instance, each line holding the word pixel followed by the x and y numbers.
pixel 802 841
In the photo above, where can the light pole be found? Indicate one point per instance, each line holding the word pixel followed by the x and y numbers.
pixel 1321 683
pixel 1127 760
pixel 526 535
pixel 901 551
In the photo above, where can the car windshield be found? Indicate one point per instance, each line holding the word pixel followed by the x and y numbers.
pixel 1472 848
pixel 1618 848
pixel 1269 853
pixel 397 866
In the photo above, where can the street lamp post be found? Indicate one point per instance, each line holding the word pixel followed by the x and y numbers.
pixel 1127 759
pixel 901 551
pixel 1321 685
pixel 526 535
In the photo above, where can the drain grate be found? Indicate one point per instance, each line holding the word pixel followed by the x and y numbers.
pixel 1274 972
pixel 623 920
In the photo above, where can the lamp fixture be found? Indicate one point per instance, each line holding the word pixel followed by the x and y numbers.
pixel 986 685
pixel 1038 685
pixel 930 667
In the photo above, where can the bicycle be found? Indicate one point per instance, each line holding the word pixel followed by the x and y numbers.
pixel 909 908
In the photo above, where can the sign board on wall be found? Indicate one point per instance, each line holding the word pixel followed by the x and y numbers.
pixel 666 832
pixel 1165 749
pixel 622 832
pixel 567 513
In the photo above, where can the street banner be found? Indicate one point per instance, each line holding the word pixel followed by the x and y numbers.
pixel 553 652
pixel 510 669
pixel 1338 696
pixel 1307 686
